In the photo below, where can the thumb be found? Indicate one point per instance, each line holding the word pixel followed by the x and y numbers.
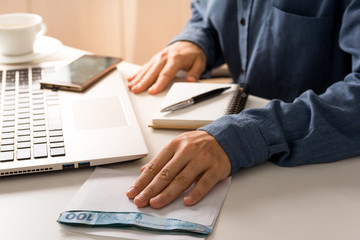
pixel 196 70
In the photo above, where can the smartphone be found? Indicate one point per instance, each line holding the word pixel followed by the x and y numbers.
pixel 81 73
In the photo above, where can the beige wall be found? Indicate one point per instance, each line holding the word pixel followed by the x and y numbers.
pixel 132 29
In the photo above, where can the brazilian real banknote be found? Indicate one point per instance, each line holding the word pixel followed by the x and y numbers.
pixel 138 220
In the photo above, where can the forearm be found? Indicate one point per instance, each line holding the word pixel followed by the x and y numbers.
pixel 312 129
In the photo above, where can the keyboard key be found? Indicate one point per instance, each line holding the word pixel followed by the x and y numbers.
pixel 39 128
pixel 55 152
pixel 8 124
pixel 9 113
pixel 37 92
pixel 23 133
pixel 39 123
pixel 7 148
pixel 24 154
pixel 24 145
pixel 24 93
pixel 40 151
pixel 24 110
pixel 56 139
pixel 23 115
pixel 7 142
pixel 38 101
pixel 24 121
pixel 8 118
pixel 39 106
pixel 23 127
pixel 39 134
pixel 10 135
pixel 39 117
pixel 7 129
pixel 23 139
pixel 24 100
pixel 38 111
pixel 9 107
pixel 9 99
pixel 57 144
pixel 38 97
pixel 40 140
pixel 55 126
pixel 9 88
pixel 55 133
pixel 24 105
pixel 6 156
pixel 9 94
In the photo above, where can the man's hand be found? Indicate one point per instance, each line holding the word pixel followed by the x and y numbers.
pixel 159 71
pixel 191 157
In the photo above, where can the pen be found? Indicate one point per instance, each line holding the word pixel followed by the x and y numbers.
pixel 194 100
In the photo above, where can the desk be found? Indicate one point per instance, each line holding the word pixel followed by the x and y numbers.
pixel 264 202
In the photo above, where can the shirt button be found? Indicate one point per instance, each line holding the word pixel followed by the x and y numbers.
pixel 243 21
pixel 242 71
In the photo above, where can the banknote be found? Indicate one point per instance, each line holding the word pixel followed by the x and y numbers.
pixel 130 219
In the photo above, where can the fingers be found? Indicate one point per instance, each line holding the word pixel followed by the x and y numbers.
pixel 141 72
pixel 155 77
pixel 168 185
pixel 165 76
pixel 196 70
pixel 149 171
pixel 166 176
pixel 146 77
pixel 163 67
pixel 177 186
pixel 191 157
pixel 202 187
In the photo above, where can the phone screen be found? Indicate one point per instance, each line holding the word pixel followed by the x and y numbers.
pixel 79 74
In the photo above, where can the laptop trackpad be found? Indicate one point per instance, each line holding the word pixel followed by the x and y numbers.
pixel 99 113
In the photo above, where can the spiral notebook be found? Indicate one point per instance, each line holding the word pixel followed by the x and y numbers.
pixel 231 101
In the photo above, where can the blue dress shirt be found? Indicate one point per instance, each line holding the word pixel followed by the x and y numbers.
pixel 305 55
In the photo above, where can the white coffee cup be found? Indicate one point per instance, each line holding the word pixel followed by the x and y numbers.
pixel 18 32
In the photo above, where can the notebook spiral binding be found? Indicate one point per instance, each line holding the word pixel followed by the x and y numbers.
pixel 237 103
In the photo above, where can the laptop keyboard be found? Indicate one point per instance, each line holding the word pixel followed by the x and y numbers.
pixel 30 117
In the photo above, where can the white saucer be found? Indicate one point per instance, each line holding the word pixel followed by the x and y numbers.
pixel 43 47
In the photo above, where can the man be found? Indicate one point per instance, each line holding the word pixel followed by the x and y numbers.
pixel 305 54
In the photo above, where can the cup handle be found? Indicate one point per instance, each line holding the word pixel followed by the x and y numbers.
pixel 42 31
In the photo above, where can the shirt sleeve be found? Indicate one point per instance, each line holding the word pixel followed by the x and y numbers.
pixel 201 32
pixel 312 129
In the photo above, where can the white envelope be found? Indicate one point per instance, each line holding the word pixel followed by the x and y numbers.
pixel 105 191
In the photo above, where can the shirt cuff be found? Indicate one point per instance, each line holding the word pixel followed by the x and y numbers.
pixel 241 139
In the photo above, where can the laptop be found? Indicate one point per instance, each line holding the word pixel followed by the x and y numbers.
pixel 44 130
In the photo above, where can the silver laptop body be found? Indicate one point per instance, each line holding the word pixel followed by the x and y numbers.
pixel 44 130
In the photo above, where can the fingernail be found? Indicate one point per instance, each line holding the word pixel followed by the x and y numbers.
pixel 131 192
pixel 134 88
pixel 140 197
pixel 157 202
pixel 152 89
pixel 191 79
pixel 189 200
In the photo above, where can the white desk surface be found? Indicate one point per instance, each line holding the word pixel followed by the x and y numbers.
pixel 264 202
